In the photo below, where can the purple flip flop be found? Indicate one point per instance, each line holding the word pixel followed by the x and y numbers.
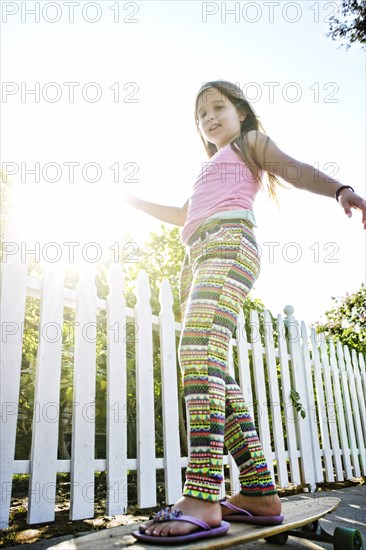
pixel 244 516
pixel 166 514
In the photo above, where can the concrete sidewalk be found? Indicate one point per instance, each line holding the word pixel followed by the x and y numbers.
pixel 350 513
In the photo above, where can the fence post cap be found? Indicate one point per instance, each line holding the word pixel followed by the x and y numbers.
pixel 288 310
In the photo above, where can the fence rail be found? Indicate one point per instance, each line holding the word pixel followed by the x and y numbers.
pixel 326 443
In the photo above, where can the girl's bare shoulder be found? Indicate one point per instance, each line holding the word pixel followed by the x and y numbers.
pixel 258 142
pixel 255 138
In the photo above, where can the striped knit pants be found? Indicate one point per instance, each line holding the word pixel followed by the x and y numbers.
pixel 220 267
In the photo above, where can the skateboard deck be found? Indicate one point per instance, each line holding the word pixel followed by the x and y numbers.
pixel 300 511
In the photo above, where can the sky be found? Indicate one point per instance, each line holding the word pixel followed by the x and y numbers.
pixel 98 97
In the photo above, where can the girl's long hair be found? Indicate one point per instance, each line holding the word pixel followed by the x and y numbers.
pixel 240 145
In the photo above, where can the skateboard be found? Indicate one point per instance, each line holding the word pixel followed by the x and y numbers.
pixel 301 513
pixel 301 520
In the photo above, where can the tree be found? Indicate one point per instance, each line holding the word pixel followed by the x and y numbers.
pixel 351 23
pixel 160 257
pixel 346 322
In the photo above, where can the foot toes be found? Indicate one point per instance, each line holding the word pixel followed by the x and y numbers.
pixel 165 531
pixel 157 531
pixel 144 526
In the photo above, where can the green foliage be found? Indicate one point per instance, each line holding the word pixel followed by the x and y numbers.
pixel 28 373
pixel 160 257
pixel 295 399
pixel 346 322
pixel 350 25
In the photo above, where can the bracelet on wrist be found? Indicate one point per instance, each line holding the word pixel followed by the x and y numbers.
pixel 341 188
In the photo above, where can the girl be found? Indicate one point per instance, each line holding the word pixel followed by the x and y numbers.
pixel 219 269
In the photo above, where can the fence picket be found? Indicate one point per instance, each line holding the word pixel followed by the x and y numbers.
pixel 116 462
pixel 313 426
pixel 292 449
pixel 83 418
pixel 260 387
pixel 13 297
pixel 331 408
pixel 323 425
pixel 302 424
pixel 356 412
pixel 43 466
pixel 341 419
pixel 245 379
pixel 348 410
pixel 145 427
pixel 361 362
pixel 234 470
pixel 169 390
pixel 358 385
pixel 277 428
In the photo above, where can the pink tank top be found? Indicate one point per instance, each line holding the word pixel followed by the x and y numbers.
pixel 224 183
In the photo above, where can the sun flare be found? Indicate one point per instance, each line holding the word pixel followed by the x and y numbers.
pixel 72 223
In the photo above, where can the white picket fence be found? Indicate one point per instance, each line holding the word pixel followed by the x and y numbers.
pixel 327 444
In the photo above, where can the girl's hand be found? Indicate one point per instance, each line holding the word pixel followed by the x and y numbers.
pixel 128 198
pixel 348 200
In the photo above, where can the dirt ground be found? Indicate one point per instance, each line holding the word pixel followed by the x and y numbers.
pixel 19 532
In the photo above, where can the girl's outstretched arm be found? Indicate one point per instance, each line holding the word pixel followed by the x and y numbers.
pixel 168 214
pixel 301 175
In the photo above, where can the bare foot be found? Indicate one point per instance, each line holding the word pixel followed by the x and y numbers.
pixel 262 506
pixel 210 512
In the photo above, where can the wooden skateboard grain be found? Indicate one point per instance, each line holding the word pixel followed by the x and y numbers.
pixel 298 510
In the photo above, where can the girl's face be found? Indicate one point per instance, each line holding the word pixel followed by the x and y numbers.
pixel 219 121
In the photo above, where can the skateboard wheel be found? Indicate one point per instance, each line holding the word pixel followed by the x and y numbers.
pixel 347 539
pixel 281 538
pixel 311 527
